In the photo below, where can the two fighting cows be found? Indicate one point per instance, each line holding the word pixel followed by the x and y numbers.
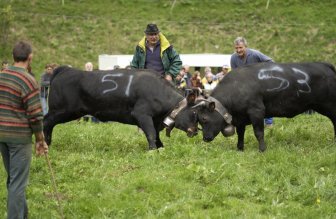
pixel 245 96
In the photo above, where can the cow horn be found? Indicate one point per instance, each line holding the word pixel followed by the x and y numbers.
pixel 202 103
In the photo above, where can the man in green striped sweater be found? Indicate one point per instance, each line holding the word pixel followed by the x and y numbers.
pixel 20 117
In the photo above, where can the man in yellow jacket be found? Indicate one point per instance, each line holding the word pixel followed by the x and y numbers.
pixel 156 53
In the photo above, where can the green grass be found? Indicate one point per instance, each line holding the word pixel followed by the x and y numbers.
pixel 105 171
pixel 288 31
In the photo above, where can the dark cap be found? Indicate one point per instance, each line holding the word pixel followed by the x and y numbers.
pixel 152 28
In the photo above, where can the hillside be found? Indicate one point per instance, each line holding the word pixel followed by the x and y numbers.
pixel 78 31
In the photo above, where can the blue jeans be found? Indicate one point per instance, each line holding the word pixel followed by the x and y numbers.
pixel 16 159
pixel 44 103
pixel 269 121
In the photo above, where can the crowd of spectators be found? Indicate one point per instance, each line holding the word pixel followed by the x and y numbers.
pixel 187 81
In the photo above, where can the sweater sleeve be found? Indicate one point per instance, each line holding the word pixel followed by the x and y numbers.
pixel 32 105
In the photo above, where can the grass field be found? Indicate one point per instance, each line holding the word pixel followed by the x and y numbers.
pixel 105 171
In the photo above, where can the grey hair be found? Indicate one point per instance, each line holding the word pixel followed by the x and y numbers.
pixel 240 40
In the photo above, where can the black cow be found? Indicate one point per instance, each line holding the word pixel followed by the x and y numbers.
pixel 137 97
pixel 251 93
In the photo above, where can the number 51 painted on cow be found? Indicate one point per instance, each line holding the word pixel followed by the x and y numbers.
pixel 108 78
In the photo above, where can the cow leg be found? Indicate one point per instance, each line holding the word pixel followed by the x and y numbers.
pixel 240 133
pixel 51 120
pixel 48 127
pixel 159 143
pixel 258 129
pixel 330 112
pixel 257 120
pixel 146 124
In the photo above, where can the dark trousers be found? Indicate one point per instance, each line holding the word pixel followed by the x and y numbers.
pixel 16 159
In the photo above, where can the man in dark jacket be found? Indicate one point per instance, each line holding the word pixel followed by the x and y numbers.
pixel 155 52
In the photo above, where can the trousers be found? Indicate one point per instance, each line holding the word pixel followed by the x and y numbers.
pixel 16 159
pixel 44 103
pixel 269 121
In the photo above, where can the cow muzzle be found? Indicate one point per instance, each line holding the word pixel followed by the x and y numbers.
pixel 207 138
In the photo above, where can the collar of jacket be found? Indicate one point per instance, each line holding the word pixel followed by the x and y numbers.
pixel 164 43
pixel 17 69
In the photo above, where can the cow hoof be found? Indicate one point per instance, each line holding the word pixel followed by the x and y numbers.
pixel 261 150
pixel 152 148
pixel 240 149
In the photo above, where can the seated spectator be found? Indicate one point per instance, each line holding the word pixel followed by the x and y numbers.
pixel 207 70
pixel 187 75
pixel 220 75
pixel 209 85
pixel 180 83
pixel 196 83
pixel 210 82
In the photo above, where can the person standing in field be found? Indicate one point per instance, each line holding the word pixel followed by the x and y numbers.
pixel 155 52
pixel 225 70
pixel 245 56
pixel 45 84
pixel 21 117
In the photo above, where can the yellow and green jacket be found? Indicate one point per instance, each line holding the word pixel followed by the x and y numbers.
pixel 170 58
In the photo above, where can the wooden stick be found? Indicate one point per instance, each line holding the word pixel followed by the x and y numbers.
pixel 60 210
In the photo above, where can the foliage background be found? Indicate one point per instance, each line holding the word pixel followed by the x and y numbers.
pixel 80 30
pixel 104 171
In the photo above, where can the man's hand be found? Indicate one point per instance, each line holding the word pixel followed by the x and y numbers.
pixel 41 148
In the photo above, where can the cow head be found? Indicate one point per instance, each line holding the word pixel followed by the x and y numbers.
pixel 214 118
pixel 183 117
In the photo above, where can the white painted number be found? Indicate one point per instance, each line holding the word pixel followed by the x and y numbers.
pixel 266 74
pixel 108 78
pixel 304 81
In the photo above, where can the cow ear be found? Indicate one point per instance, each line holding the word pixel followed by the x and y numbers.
pixel 212 106
pixel 191 99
